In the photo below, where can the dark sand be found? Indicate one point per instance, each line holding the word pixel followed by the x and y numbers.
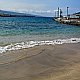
pixel 59 62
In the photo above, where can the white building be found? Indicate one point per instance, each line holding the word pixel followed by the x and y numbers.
pixel 76 15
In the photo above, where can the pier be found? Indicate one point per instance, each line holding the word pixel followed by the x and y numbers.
pixel 70 19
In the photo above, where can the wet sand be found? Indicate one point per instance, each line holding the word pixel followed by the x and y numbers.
pixel 48 62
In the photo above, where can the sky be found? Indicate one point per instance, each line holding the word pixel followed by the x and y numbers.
pixel 40 7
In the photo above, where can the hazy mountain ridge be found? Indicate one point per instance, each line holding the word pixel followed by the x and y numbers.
pixel 4 13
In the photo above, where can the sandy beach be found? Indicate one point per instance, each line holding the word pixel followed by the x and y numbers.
pixel 48 62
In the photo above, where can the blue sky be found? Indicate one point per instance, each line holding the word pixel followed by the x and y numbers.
pixel 41 7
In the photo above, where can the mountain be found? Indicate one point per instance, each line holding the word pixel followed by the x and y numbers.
pixel 14 14
pixel 78 13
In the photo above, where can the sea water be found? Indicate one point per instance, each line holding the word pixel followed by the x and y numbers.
pixel 24 32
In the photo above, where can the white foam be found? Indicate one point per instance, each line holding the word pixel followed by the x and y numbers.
pixel 29 44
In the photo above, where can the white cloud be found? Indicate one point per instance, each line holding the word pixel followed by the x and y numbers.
pixel 38 11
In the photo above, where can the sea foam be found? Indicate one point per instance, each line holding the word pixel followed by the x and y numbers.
pixel 29 44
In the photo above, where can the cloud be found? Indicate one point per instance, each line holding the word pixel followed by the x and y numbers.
pixel 38 11
pixel 8 5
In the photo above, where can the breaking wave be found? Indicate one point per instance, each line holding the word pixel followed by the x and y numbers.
pixel 29 44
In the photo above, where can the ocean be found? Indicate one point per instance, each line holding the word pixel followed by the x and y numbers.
pixel 29 31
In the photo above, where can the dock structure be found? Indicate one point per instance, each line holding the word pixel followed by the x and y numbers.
pixel 72 19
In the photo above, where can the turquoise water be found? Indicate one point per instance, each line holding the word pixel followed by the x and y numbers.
pixel 18 29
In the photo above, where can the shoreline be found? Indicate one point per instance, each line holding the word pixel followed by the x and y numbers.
pixel 45 62
pixel 29 44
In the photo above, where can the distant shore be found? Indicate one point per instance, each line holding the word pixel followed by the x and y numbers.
pixel 15 16
pixel 48 62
